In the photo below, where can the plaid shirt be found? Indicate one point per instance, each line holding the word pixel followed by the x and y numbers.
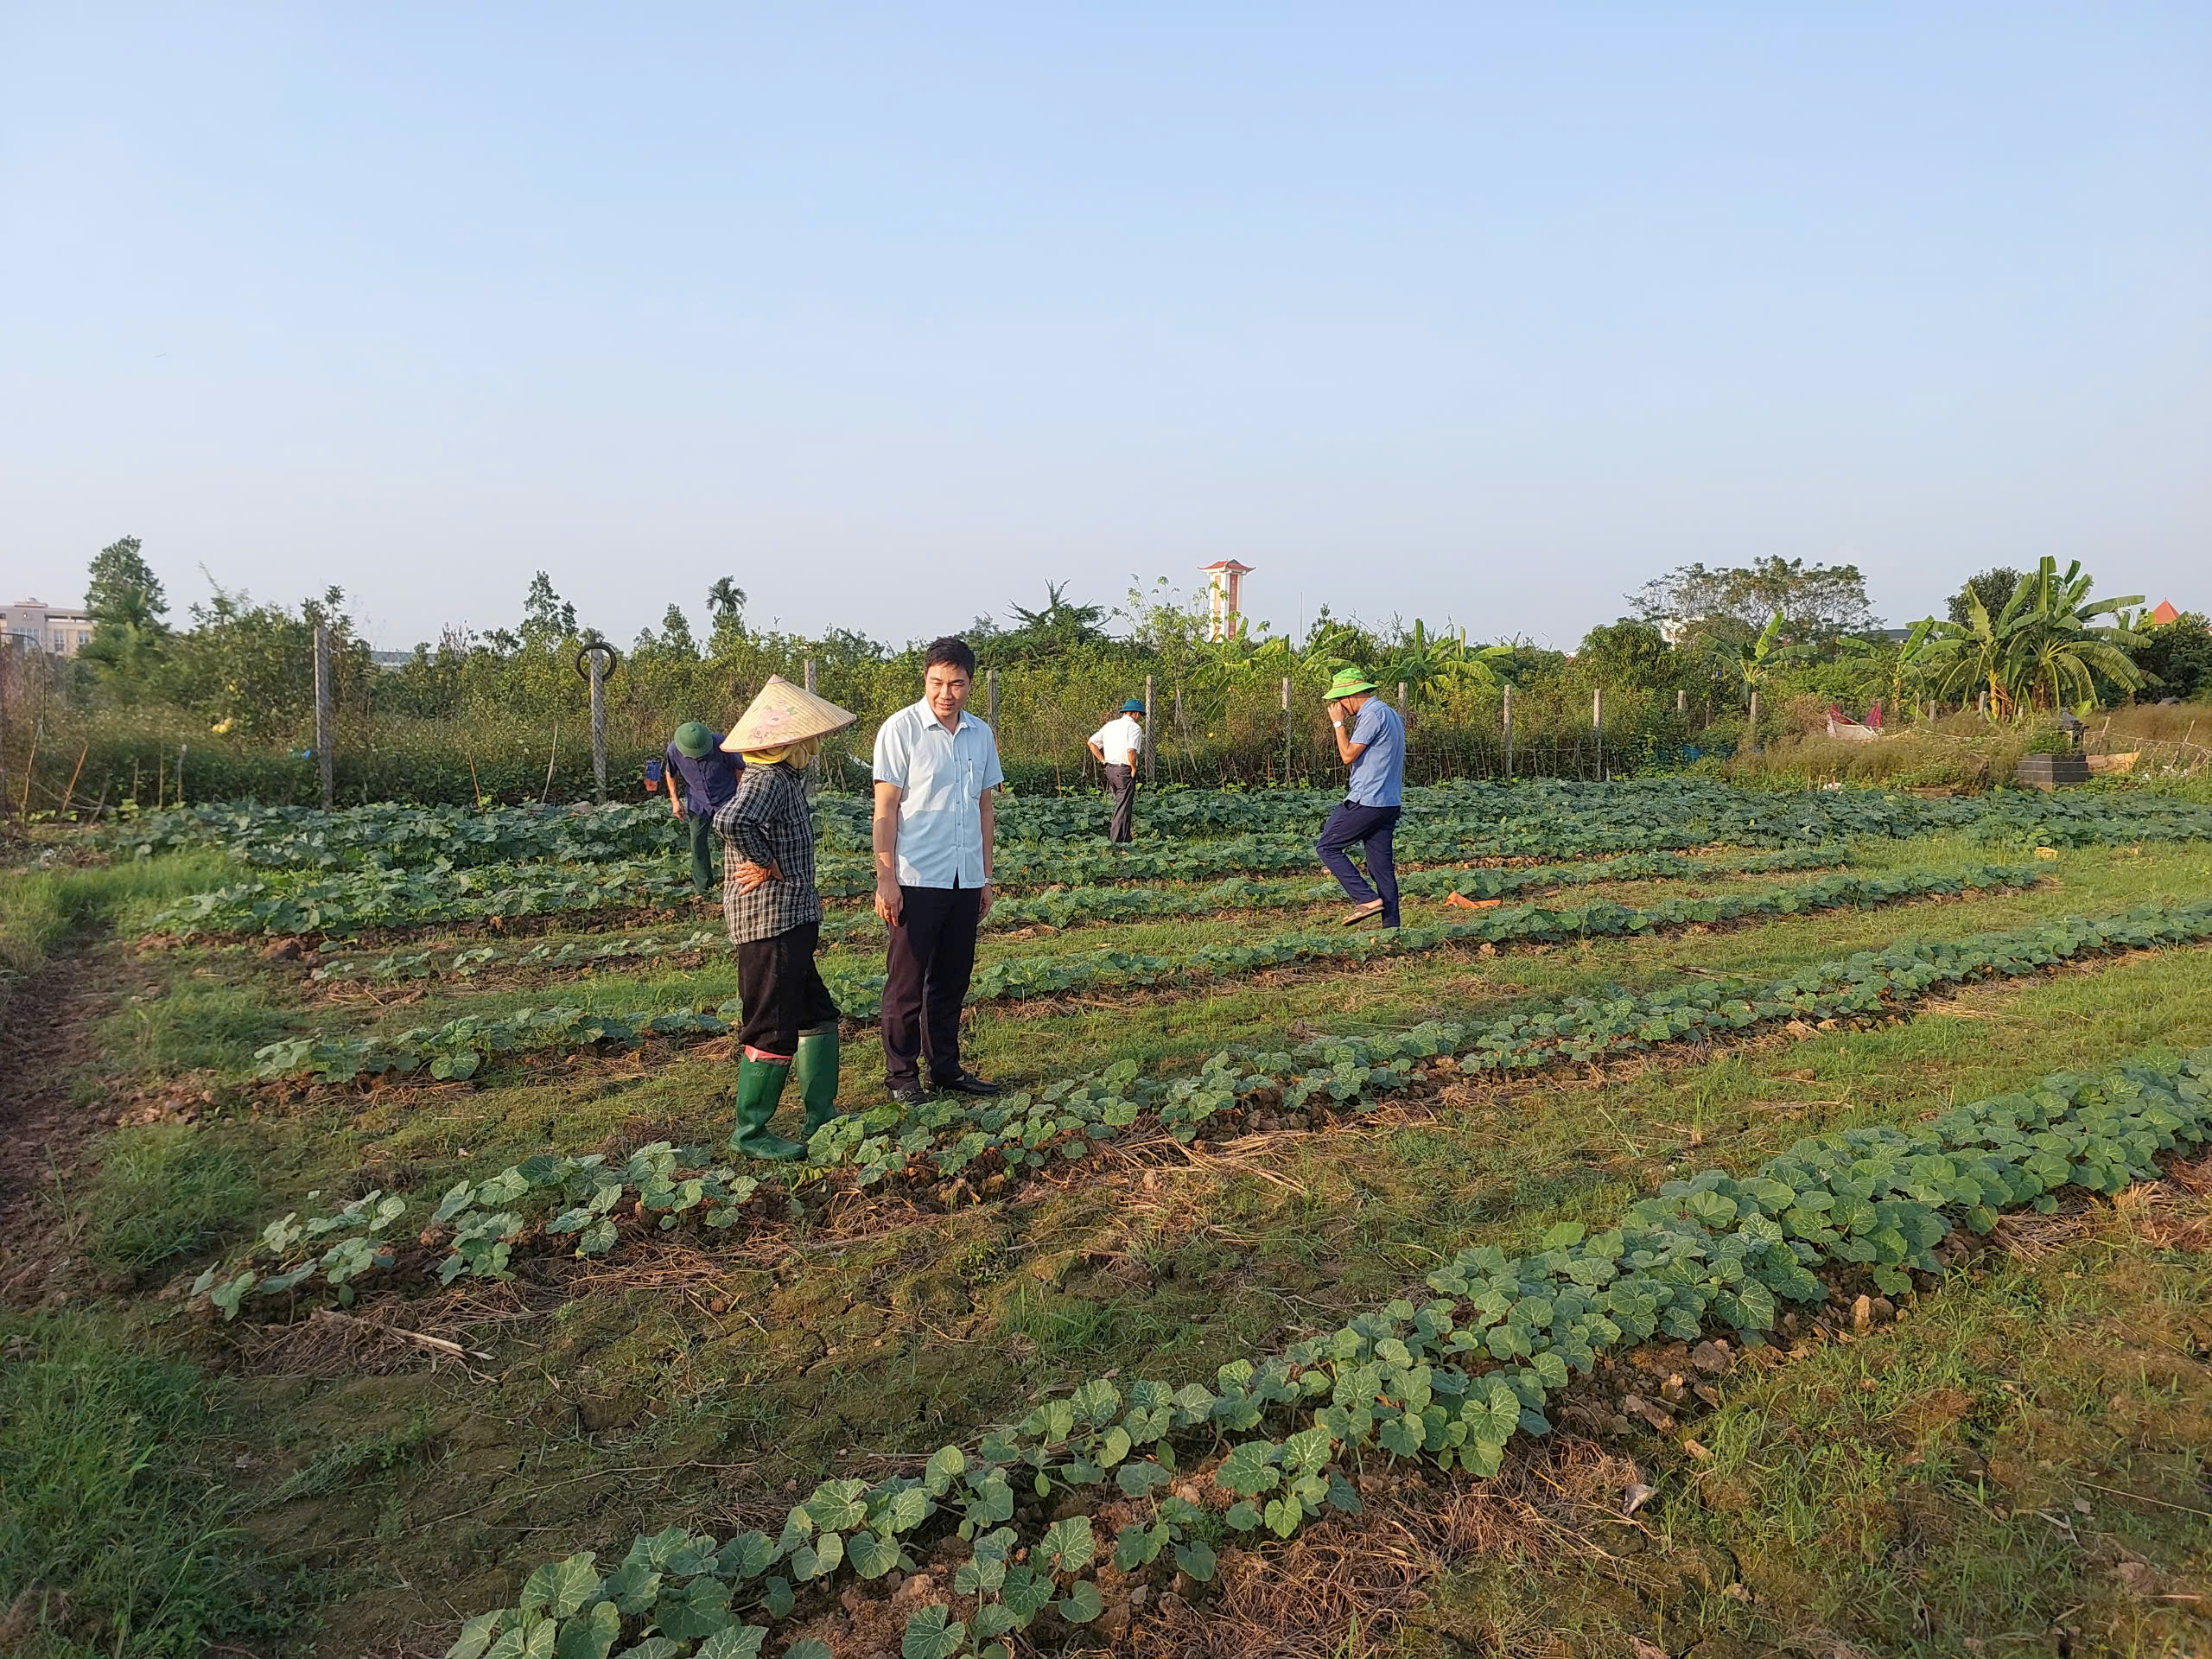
pixel 767 822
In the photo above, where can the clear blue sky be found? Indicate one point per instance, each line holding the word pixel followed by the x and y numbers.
pixel 1477 313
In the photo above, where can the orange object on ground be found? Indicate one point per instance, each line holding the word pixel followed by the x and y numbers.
pixel 1465 903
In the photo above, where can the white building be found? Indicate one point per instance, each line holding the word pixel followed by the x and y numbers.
pixel 46 628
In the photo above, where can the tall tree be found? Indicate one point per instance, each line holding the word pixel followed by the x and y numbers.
pixel 122 590
pixel 726 602
pixel 1992 587
pixel 547 619
pixel 675 633
pixel 1628 652
pixel 1054 629
pixel 1818 601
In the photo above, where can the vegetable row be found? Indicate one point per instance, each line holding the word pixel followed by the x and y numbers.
pixel 1539 818
pixel 1061 907
pixel 456 1048
pixel 1444 1378
pixel 563 1202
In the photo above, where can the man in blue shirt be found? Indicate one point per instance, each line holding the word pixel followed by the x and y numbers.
pixel 937 772
pixel 1371 741
pixel 709 777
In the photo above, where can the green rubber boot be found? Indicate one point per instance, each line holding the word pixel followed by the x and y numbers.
pixel 759 1086
pixel 815 1068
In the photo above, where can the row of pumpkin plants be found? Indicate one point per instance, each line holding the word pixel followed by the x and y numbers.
pixel 1064 907
pixel 1550 817
pixel 1272 1442
pixel 586 1205
pixel 351 902
pixel 456 1048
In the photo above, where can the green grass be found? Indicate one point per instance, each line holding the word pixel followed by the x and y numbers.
pixel 349 1461
pixel 114 1538
pixel 164 1192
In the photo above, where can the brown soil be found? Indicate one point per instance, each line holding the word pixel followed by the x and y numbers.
pixel 48 1038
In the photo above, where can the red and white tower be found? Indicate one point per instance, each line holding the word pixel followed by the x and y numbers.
pixel 1224 578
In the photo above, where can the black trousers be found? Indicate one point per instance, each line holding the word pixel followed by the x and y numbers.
pixel 932 955
pixel 781 990
pixel 1121 790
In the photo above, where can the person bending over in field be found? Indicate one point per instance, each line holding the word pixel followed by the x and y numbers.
pixel 1371 741
pixel 1116 746
pixel 775 916
pixel 696 756
pixel 937 770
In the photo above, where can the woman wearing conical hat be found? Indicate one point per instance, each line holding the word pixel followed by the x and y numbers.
pixel 775 916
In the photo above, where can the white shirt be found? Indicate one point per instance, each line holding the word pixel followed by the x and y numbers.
pixel 1122 740
pixel 941 777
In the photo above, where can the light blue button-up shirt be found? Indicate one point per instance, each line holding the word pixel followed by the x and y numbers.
pixel 941 777
pixel 1378 777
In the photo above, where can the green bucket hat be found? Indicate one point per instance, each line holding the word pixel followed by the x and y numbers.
pixel 1349 682
pixel 693 740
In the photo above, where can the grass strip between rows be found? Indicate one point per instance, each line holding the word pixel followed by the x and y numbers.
pixel 481 1229
pixel 1171 1471
pixel 457 1048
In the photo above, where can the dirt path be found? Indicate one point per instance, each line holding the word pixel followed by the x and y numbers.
pixel 48 1036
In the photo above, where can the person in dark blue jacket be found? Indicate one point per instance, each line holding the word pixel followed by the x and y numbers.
pixel 709 779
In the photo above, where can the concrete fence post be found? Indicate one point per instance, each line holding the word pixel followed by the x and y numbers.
pixel 322 760
pixel 1151 750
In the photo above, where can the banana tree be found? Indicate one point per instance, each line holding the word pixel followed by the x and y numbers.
pixel 1751 664
pixel 2063 647
pixel 2044 642
pixel 1443 661
pixel 1914 668
pixel 1981 654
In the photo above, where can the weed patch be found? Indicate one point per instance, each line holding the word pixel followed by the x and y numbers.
pixel 113 1539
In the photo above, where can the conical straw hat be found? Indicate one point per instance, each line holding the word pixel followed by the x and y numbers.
pixel 785 714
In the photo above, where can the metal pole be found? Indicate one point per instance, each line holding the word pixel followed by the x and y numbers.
pixel 1151 753
pixel 1285 729
pixel 599 726
pixel 991 699
pixel 323 708
pixel 181 748
pixel 1508 733
pixel 1597 726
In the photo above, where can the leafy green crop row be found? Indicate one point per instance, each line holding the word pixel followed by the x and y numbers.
pixel 456 1048
pixel 1543 817
pixel 1068 907
pixel 343 903
pixel 1448 1380
pixel 1068 1121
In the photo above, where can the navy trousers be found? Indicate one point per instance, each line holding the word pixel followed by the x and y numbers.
pixel 1372 826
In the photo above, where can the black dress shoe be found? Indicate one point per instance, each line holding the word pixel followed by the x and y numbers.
pixel 967 1082
pixel 909 1094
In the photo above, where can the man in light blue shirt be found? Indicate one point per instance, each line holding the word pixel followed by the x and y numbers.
pixel 937 770
pixel 1371 741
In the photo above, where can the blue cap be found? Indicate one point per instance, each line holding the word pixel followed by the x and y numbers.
pixel 1133 706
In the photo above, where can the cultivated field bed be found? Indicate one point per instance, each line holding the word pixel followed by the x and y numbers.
pixel 1365 1303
